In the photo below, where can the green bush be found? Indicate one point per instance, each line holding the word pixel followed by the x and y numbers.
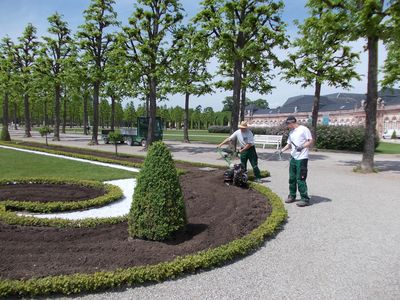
pixel 115 138
pixel 5 135
pixel 394 136
pixel 342 138
pixel 158 209
pixel 219 129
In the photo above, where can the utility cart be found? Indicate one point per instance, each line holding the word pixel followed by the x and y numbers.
pixel 137 135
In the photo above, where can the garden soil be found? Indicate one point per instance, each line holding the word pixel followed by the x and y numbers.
pixel 217 214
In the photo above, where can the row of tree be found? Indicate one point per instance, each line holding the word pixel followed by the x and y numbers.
pixel 159 53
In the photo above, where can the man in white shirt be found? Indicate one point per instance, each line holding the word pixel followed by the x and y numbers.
pixel 247 150
pixel 299 140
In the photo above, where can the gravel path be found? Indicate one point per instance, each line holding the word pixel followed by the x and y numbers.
pixel 346 245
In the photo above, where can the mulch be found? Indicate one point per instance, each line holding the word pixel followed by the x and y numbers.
pixel 217 214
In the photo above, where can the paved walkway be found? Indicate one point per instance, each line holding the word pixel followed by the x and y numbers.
pixel 346 245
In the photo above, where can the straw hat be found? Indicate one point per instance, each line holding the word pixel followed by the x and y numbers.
pixel 243 125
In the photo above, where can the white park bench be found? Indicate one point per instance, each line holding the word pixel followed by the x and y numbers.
pixel 264 139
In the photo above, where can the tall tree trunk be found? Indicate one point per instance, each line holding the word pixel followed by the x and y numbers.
pixel 15 116
pixel 64 125
pixel 243 97
pixel 95 125
pixel 5 134
pixel 27 116
pixel 152 111
pixel 242 104
pixel 315 110
pixel 367 162
pixel 237 82
pixel 112 112
pixel 57 112
pixel 186 120
pixel 85 114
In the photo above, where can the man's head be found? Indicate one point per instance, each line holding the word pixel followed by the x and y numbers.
pixel 291 122
pixel 243 125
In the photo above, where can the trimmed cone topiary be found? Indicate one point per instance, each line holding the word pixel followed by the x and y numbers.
pixel 158 209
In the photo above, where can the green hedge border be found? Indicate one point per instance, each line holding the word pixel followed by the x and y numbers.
pixel 78 283
pixel 112 193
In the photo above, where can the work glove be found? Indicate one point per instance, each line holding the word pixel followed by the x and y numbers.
pixel 299 148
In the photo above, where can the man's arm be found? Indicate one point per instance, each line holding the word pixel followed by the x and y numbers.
pixel 226 141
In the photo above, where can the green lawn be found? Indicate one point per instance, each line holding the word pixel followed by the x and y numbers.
pixel 388 148
pixel 21 164
pixel 195 136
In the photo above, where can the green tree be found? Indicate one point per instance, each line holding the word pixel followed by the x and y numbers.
pixel 158 208
pixel 130 114
pixel 190 69
pixel 56 51
pixel 242 31
pixel 7 73
pixel 147 48
pixel 370 20
pixel 259 103
pixel 96 41
pixel 25 56
pixel 322 56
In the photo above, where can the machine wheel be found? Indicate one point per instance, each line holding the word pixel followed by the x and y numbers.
pixel 106 141
pixel 143 143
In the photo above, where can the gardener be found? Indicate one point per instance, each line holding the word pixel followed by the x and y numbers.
pixel 299 141
pixel 247 150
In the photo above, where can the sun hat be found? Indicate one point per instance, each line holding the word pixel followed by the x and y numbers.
pixel 290 120
pixel 243 125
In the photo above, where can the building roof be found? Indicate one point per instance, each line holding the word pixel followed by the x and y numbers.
pixel 330 102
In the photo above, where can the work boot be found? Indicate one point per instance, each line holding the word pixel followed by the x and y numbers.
pixel 303 202
pixel 290 199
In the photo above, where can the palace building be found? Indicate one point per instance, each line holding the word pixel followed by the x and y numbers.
pixel 334 109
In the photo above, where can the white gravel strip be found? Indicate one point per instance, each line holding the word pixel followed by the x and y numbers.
pixel 116 209
pixel 76 159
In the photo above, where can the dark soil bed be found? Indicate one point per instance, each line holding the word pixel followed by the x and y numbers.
pixel 40 192
pixel 217 214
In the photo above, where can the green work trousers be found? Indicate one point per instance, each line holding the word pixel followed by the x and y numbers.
pixel 251 155
pixel 297 178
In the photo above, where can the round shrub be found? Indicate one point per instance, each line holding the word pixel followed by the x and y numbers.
pixel 158 208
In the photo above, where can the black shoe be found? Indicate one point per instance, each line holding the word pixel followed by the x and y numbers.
pixel 290 199
pixel 303 203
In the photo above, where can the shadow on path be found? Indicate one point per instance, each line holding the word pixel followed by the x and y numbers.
pixel 382 166
pixel 319 199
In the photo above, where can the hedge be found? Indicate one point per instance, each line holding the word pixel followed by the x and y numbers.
pixel 78 283
pixel 112 193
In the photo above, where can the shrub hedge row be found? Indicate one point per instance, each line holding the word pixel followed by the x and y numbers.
pixel 112 193
pixel 78 283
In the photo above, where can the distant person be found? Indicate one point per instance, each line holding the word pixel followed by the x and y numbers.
pixel 299 140
pixel 247 149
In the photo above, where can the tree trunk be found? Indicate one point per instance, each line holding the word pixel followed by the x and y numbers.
pixel 15 116
pixel 64 125
pixel 57 112
pixel 242 104
pixel 5 135
pixel 85 114
pixel 152 111
pixel 237 81
pixel 27 116
pixel 315 110
pixel 243 97
pixel 95 125
pixel 112 112
pixel 186 120
pixel 367 163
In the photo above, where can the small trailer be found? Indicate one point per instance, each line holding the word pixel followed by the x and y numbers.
pixel 137 135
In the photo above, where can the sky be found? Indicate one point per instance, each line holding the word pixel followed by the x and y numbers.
pixel 16 14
